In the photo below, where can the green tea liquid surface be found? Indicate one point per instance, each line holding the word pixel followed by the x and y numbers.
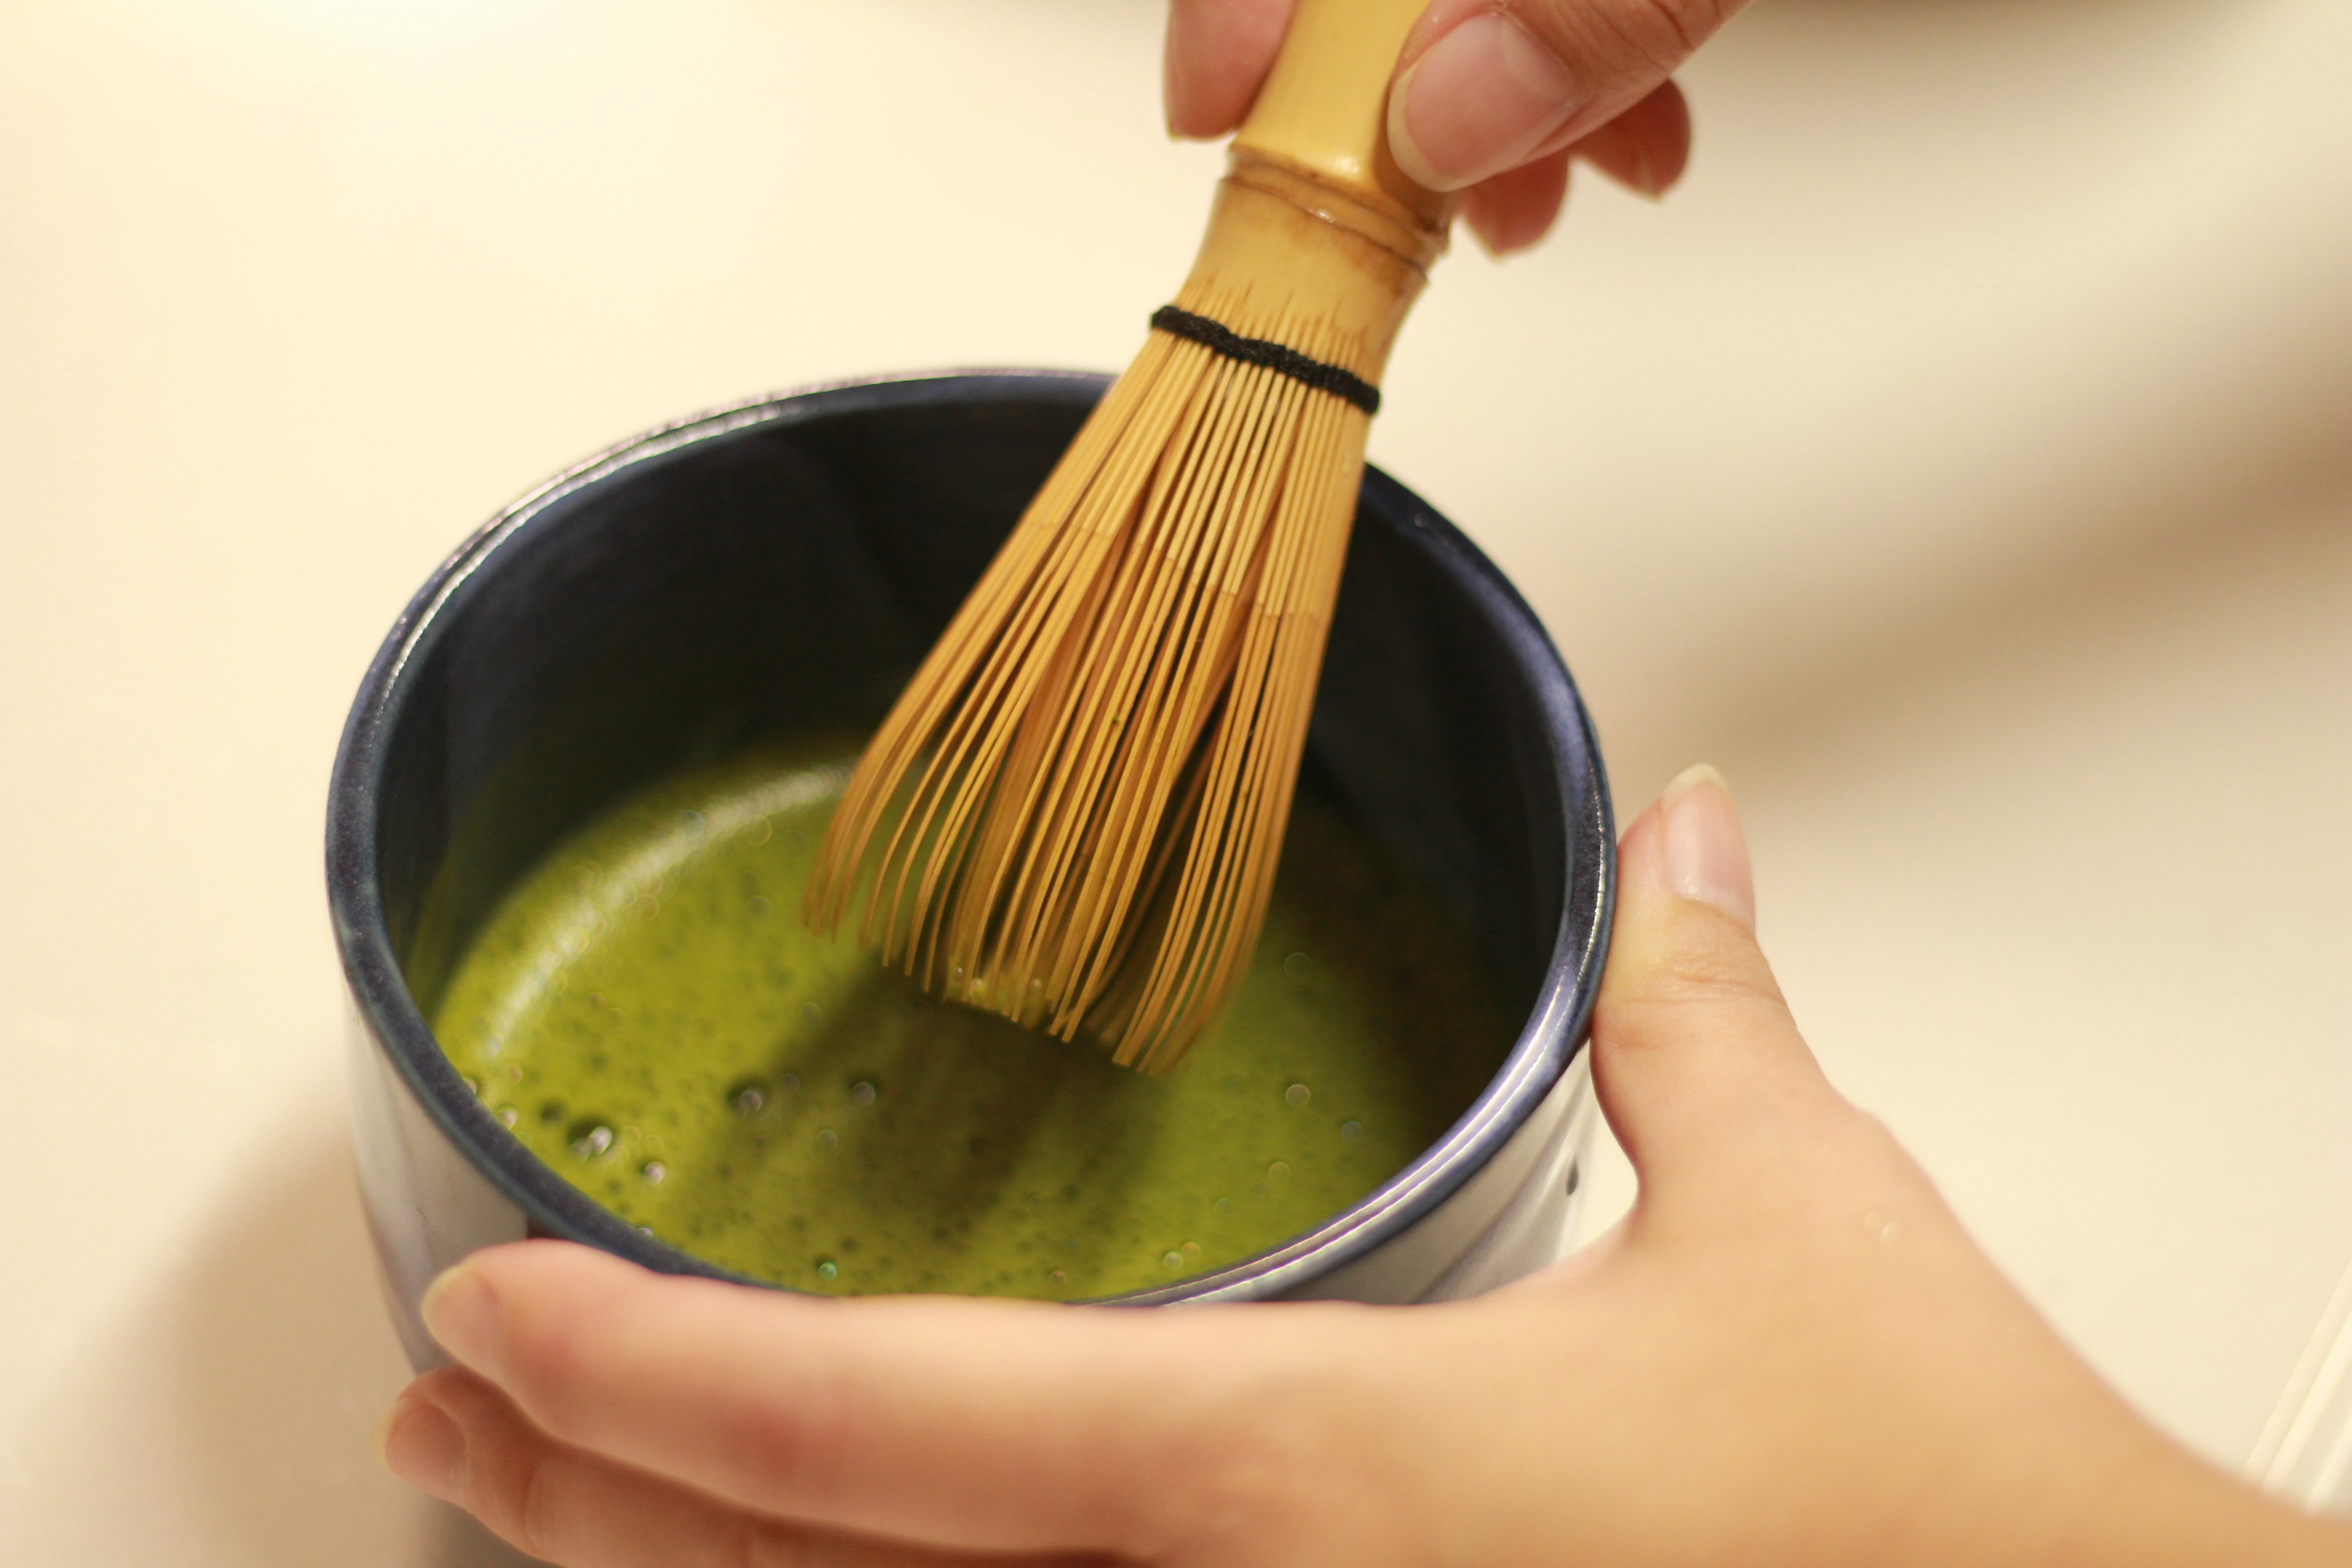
pixel 648 1013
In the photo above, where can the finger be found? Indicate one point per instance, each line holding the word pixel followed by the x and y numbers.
pixel 1697 1061
pixel 1482 88
pixel 1513 210
pixel 1646 148
pixel 1217 56
pixel 928 1419
pixel 455 1436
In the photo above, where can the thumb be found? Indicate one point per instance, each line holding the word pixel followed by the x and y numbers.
pixel 1485 87
pixel 1697 1061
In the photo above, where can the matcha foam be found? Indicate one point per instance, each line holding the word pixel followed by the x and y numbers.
pixel 648 1013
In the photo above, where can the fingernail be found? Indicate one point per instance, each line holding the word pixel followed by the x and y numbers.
pixel 1642 179
pixel 420 1443
pixel 1170 84
pixel 1480 101
pixel 462 1311
pixel 1192 36
pixel 1706 852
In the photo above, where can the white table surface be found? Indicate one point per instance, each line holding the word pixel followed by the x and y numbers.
pixel 1962 460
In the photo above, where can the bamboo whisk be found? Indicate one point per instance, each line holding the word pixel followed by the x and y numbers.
pixel 1072 816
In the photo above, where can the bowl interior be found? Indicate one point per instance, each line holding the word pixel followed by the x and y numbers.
pixel 784 566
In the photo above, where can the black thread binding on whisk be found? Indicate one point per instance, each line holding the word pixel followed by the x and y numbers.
pixel 1217 338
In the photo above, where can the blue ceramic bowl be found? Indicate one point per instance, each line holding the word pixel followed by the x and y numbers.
pixel 783 566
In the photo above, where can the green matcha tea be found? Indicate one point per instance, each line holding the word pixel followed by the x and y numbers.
pixel 648 1015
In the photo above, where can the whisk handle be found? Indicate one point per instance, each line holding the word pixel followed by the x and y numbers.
pixel 1323 111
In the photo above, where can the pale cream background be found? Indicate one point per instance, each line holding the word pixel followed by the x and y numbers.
pixel 1962 459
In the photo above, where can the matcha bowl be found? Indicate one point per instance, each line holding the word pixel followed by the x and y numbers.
pixel 776 570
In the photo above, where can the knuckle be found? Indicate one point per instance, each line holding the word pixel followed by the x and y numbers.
pixel 1671 30
pixel 795 1448
pixel 1713 971
pixel 1705 980
pixel 509 1482
pixel 1279 1463
pixel 551 1358
pixel 537 1503
pixel 1657 36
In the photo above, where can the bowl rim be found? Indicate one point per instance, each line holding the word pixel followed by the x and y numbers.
pixel 1550 1039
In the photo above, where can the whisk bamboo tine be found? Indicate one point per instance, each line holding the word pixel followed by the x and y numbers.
pixel 1010 580
pixel 1166 708
pixel 945 670
pixel 1073 814
pixel 1033 792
